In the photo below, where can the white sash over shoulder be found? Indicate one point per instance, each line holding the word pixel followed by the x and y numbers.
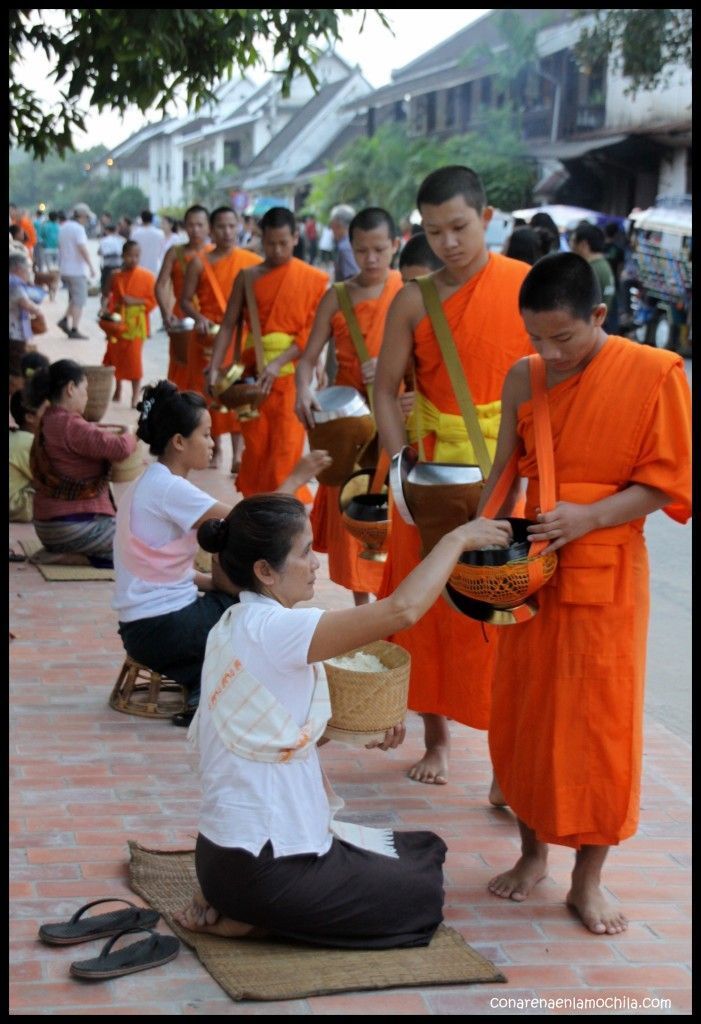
pixel 252 723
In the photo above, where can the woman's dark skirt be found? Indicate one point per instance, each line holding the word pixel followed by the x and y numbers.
pixel 349 898
pixel 175 643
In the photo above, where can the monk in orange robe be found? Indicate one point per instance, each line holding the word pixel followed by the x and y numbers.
pixel 374 241
pixel 287 292
pixel 566 727
pixel 132 295
pixel 210 278
pixel 170 281
pixel 451 655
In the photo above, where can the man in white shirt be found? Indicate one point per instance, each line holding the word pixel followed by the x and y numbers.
pixel 75 266
pixel 152 242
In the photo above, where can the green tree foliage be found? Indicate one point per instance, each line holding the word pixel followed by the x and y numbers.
pixel 386 170
pixel 60 183
pixel 127 202
pixel 113 59
pixel 644 44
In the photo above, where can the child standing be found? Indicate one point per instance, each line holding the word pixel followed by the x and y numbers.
pixel 132 294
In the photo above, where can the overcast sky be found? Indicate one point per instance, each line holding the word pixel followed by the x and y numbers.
pixel 376 50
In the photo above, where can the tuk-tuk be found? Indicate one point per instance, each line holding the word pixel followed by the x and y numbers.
pixel 660 241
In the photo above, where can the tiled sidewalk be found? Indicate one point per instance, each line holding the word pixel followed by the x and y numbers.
pixel 85 779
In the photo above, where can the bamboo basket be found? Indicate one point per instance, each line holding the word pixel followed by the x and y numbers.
pixel 131 467
pixel 100 389
pixel 365 704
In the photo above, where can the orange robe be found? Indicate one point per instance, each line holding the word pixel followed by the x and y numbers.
pixel 330 535
pixel 124 353
pixel 452 656
pixel 225 270
pixel 566 731
pixel 287 298
pixel 178 373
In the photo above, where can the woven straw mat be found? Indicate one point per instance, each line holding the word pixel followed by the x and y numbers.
pixel 269 970
pixel 53 573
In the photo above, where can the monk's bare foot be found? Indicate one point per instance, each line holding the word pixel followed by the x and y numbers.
pixel 200 916
pixel 496 797
pixel 517 883
pixel 432 768
pixel 595 911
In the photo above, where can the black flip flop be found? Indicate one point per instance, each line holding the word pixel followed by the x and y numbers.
pixel 100 926
pixel 15 556
pixel 152 952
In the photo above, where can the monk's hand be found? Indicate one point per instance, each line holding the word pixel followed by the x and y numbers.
pixel 368 371
pixel 201 324
pixel 393 738
pixel 406 403
pixel 304 406
pixel 484 533
pixel 566 522
pixel 269 376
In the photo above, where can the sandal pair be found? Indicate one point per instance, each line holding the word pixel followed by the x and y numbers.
pixel 110 963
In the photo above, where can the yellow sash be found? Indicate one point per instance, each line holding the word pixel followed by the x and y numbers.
pixel 274 344
pixel 134 318
pixel 452 442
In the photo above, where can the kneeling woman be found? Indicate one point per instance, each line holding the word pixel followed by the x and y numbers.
pixel 269 854
pixel 70 462
pixel 163 620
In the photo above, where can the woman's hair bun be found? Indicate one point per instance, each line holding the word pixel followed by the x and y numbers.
pixel 213 535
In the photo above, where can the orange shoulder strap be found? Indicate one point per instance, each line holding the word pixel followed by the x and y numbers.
pixel 214 284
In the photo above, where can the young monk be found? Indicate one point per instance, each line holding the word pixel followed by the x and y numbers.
pixel 566 728
pixel 210 278
pixel 132 294
pixel 374 240
pixel 451 662
pixel 287 292
pixel 169 287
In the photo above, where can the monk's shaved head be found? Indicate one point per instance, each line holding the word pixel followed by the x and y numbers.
pixel 561 280
pixel 448 182
pixel 369 219
pixel 278 217
pixel 418 253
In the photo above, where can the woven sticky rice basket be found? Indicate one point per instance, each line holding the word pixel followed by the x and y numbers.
pixel 100 388
pixel 364 705
pixel 131 467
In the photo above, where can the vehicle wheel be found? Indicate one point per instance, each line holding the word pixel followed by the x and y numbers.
pixel 661 332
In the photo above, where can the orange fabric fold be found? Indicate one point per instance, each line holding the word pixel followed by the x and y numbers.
pixel 452 656
pixel 371 315
pixel 225 271
pixel 566 729
pixel 178 373
pixel 330 535
pixel 287 299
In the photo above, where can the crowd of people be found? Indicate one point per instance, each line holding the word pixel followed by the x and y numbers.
pixel 270 856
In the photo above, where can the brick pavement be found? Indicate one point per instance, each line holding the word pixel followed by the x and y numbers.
pixel 85 779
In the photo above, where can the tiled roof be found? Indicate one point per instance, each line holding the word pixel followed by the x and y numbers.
pixel 300 120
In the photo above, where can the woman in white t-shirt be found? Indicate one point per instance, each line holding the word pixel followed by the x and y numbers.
pixel 269 853
pixel 166 608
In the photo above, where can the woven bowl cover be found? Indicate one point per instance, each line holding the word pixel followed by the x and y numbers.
pixel 502 586
pixel 100 388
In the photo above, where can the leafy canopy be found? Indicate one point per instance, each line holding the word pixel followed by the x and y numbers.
pixel 646 45
pixel 117 58
pixel 386 169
